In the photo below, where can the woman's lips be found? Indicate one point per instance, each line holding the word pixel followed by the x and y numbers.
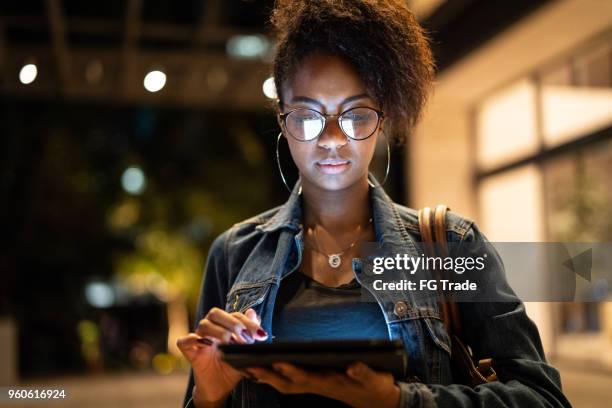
pixel 333 166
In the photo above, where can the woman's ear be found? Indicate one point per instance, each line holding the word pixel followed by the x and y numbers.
pixel 279 110
pixel 381 126
pixel 279 121
pixel 280 124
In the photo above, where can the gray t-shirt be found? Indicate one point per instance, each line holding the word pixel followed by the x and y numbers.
pixel 308 310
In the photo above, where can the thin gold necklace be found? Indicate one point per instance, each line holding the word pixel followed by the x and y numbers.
pixel 335 260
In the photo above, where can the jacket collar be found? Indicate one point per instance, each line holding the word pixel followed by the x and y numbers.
pixel 289 214
pixel 388 224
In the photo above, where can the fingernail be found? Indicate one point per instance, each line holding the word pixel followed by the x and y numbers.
pixel 232 341
pixel 261 332
pixel 246 335
pixel 203 340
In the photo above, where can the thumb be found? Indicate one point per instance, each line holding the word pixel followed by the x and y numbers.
pixel 361 372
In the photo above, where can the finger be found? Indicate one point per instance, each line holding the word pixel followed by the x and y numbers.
pixel 294 374
pixel 255 330
pixel 192 341
pixel 206 328
pixel 363 373
pixel 337 378
pixel 277 381
pixel 252 314
pixel 246 374
pixel 190 344
pixel 231 323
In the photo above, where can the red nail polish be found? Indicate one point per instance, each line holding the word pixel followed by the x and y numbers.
pixel 206 341
pixel 261 332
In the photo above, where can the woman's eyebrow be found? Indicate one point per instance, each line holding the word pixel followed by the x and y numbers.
pixel 355 97
pixel 306 99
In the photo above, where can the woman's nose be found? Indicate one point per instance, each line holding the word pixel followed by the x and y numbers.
pixel 332 136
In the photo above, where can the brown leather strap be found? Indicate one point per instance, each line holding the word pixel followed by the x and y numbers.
pixel 425 228
pixel 440 228
pixel 425 216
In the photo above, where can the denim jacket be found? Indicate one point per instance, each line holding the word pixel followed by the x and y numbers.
pixel 247 262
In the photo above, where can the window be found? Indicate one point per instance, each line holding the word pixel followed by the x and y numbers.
pixel 506 127
pixel 576 97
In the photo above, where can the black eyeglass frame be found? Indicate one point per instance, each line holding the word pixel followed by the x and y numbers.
pixel 379 114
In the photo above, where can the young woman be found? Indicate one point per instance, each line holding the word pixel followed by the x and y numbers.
pixel 348 73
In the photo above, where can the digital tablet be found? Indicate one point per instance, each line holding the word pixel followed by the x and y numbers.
pixel 381 355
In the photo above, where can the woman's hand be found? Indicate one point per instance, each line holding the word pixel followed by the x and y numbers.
pixel 359 387
pixel 214 379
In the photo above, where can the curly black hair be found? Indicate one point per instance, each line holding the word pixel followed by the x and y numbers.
pixel 380 38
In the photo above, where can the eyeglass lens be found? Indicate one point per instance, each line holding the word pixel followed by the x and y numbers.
pixel 307 124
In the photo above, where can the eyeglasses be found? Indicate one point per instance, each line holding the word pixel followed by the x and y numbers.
pixel 304 124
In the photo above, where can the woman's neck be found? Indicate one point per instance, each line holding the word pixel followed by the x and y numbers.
pixel 338 210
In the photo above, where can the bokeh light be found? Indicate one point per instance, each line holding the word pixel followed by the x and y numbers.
pixel 269 88
pixel 133 180
pixel 248 46
pixel 28 73
pixel 99 294
pixel 154 81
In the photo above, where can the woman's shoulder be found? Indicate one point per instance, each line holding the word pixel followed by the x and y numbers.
pixel 241 235
pixel 248 226
pixel 257 219
pixel 456 223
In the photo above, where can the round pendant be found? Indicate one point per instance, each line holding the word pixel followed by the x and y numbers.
pixel 334 260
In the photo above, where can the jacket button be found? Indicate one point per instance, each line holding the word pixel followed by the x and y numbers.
pixel 400 309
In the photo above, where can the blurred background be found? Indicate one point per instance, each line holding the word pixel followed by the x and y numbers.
pixel 134 132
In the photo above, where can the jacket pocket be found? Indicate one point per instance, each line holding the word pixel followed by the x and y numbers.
pixel 438 333
pixel 436 352
pixel 245 295
pixel 429 323
pixel 428 346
